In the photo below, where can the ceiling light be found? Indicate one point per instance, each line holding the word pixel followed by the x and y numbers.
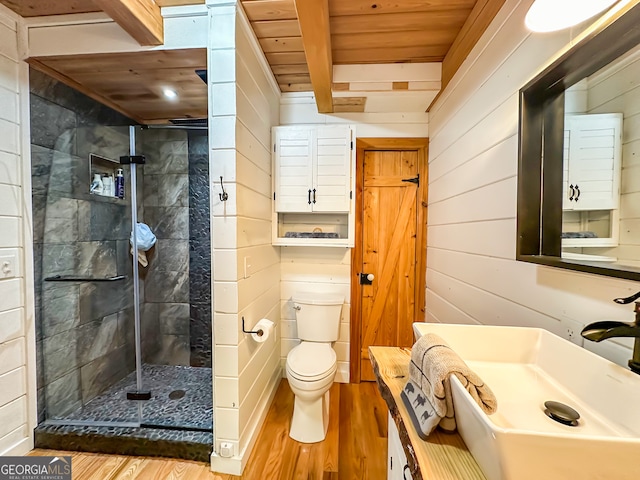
pixel 552 15
pixel 171 94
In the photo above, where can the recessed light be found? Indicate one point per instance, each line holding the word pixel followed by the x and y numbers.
pixel 170 93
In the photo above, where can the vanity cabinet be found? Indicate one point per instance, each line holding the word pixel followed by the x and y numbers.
pixel 397 465
pixel 313 185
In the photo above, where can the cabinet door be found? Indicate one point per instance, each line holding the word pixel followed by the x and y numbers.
pixel 594 161
pixel 397 466
pixel 567 198
pixel 332 169
pixel 293 170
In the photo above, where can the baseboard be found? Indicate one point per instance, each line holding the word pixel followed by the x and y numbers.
pixel 235 465
pixel 19 449
pixel 342 374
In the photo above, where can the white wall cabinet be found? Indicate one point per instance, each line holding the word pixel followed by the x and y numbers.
pixel 591 179
pixel 592 161
pixel 312 168
pixel 313 185
pixel 397 466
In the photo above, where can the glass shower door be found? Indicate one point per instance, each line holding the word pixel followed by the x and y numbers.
pixel 174 192
pixel 84 283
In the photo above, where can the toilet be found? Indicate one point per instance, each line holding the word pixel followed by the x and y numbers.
pixel 311 366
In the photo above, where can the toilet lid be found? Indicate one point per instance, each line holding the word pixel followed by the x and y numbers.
pixel 311 359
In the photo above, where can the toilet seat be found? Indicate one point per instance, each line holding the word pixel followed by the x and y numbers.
pixel 310 362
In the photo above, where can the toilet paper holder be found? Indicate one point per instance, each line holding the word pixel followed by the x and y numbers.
pixel 257 332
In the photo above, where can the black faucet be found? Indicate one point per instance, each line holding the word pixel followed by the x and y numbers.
pixel 598 331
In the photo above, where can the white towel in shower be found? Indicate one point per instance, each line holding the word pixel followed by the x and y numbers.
pixel 145 239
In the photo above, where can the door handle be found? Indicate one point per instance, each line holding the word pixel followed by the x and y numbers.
pixel 309 197
pixel 366 278
pixel 573 192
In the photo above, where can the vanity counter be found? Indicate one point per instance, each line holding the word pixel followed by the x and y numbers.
pixel 442 456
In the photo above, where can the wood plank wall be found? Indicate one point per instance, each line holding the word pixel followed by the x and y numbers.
pixel 328 269
pixel 15 421
pixel 472 276
pixel 243 108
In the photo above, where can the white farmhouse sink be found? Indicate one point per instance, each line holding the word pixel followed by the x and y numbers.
pixel 525 367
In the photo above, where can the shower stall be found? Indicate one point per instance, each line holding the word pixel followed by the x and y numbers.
pixel 124 343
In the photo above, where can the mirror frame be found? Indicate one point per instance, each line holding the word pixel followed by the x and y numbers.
pixel 540 135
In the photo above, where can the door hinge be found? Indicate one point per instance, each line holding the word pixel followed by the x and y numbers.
pixel 415 180
pixel 351 195
pixel 274 148
pixel 274 195
pixel 352 145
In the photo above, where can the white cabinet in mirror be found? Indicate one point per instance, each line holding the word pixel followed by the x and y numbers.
pixel 601 174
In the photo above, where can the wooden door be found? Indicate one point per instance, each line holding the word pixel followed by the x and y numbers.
pixel 389 228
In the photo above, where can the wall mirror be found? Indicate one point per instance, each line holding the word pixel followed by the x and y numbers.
pixel 579 155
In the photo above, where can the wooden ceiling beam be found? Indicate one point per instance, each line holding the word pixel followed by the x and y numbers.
pixel 313 16
pixel 139 18
pixel 478 21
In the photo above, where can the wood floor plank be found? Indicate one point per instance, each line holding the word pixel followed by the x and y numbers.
pixel 332 441
pixel 354 448
pixel 275 434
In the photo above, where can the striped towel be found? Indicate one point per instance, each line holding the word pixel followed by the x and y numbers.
pixel 432 364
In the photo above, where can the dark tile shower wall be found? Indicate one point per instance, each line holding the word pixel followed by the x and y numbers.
pixel 166 211
pixel 199 250
pixel 84 330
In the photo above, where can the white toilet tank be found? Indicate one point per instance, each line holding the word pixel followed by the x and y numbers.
pixel 318 316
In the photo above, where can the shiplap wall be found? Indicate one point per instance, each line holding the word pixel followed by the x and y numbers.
pixel 17 358
pixel 619 91
pixel 324 269
pixel 316 269
pixel 244 104
pixel 472 275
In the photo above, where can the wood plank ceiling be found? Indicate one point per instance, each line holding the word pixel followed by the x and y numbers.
pixel 362 32
pixel 301 54
pixel 38 8
pixel 133 83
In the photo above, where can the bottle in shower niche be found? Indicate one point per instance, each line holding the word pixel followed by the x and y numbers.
pixel 97 187
pixel 119 185
pixel 108 187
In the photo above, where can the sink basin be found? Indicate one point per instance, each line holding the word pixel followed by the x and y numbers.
pixel 525 367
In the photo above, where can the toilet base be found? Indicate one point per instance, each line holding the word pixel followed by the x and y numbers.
pixel 310 419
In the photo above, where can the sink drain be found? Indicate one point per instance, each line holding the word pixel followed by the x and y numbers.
pixel 177 394
pixel 561 413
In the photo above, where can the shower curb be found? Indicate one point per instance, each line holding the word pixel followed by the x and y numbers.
pixel 150 442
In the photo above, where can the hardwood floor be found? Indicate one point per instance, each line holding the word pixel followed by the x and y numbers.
pixel 355 447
